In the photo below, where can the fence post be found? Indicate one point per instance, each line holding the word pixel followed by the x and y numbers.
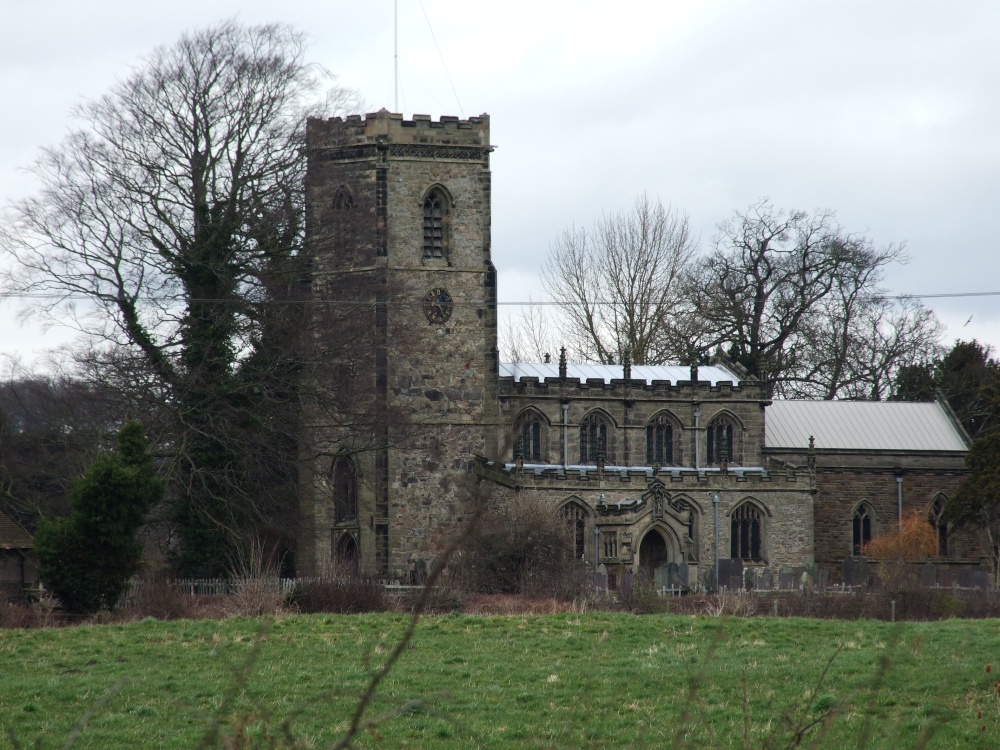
pixel 893 610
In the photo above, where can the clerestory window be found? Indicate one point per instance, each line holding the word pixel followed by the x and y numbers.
pixel 660 442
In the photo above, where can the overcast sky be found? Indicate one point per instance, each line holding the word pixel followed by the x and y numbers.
pixel 886 112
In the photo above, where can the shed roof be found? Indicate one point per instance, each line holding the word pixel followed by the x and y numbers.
pixel 12 536
pixel 541 370
pixel 861 425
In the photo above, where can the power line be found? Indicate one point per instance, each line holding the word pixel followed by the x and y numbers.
pixel 320 301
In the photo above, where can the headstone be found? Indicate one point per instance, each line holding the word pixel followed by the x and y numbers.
pixel 767 579
pixel 730 570
pixel 824 579
pixel 661 577
pixel 682 575
pixel 672 576
pixel 786 579
pixel 601 577
pixel 928 575
pixel 861 572
pixel 850 571
pixel 749 580
pixel 966 580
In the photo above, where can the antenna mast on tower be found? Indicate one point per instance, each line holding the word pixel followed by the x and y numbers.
pixel 395 55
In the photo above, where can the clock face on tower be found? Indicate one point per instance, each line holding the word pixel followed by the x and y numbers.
pixel 438 305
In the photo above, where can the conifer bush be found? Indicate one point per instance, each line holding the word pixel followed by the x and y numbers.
pixel 87 558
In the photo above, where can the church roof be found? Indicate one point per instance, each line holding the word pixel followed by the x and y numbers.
pixel 708 373
pixel 861 425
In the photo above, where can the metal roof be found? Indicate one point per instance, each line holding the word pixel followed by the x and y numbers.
pixel 861 425
pixel 541 370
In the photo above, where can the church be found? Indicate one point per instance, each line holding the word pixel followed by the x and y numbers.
pixel 416 419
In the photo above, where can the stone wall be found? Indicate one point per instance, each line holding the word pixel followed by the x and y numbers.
pixel 430 383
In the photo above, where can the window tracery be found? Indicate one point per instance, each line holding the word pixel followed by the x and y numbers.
pixel 594 440
pixel 660 442
pixel 435 213
pixel 861 529
pixel 720 438
pixel 746 533
pixel 345 490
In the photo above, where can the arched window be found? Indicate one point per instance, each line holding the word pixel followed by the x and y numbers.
pixel 594 440
pixel 528 442
pixel 576 526
pixel 342 199
pixel 345 490
pixel 345 553
pixel 861 528
pixel 939 524
pixel 746 534
pixel 435 213
pixel 721 437
pixel 660 442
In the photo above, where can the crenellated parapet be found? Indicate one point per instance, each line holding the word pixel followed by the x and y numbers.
pixel 354 136
pixel 619 388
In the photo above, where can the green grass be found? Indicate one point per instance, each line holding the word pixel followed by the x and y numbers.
pixel 595 680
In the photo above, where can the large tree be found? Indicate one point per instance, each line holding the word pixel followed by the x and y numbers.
pixel 618 283
pixel 798 301
pixel 967 377
pixel 169 227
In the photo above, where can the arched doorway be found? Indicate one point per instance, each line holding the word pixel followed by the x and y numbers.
pixel 346 554
pixel 653 552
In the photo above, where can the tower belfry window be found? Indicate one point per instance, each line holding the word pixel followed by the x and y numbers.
pixel 434 214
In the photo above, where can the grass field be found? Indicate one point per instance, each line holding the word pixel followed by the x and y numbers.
pixel 593 680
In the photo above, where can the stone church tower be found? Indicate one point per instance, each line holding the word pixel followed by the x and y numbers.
pixel 404 344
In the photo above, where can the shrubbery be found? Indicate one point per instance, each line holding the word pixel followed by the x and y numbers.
pixel 88 558
pixel 522 547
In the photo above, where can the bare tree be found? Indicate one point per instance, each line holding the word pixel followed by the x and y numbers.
pixel 797 301
pixel 168 225
pixel 618 284
pixel 527 336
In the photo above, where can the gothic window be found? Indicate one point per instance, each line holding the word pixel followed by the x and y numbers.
pixel 435 213
pixel 610 539
pixel 746 535
pixel 528 442
pixel 345 490
pixel 720 436
pixel 659 442
pixel 576 525
pixel 594 440
pixel 861 529
pixel 940 525
pixel 343 200
pixel 345 552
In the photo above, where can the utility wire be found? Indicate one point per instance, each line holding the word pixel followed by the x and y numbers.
pixel 403 303
pixel 443 63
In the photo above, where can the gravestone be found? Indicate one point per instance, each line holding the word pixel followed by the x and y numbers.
pixel 601 577
pixel 673 579
pixel 767 579
pixel 786 579
pixel 683 575
pixel 730 571
pixel 966 579
pixel 862 573
pixel 661 577
pixel 928 575
pixel 981 579
pixel 850 571
pixel 824 579
pixel 749 579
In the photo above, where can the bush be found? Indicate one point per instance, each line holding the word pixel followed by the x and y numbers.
pixel 915 539
pixel 88 558
pixel 341 595
pixel 521 547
